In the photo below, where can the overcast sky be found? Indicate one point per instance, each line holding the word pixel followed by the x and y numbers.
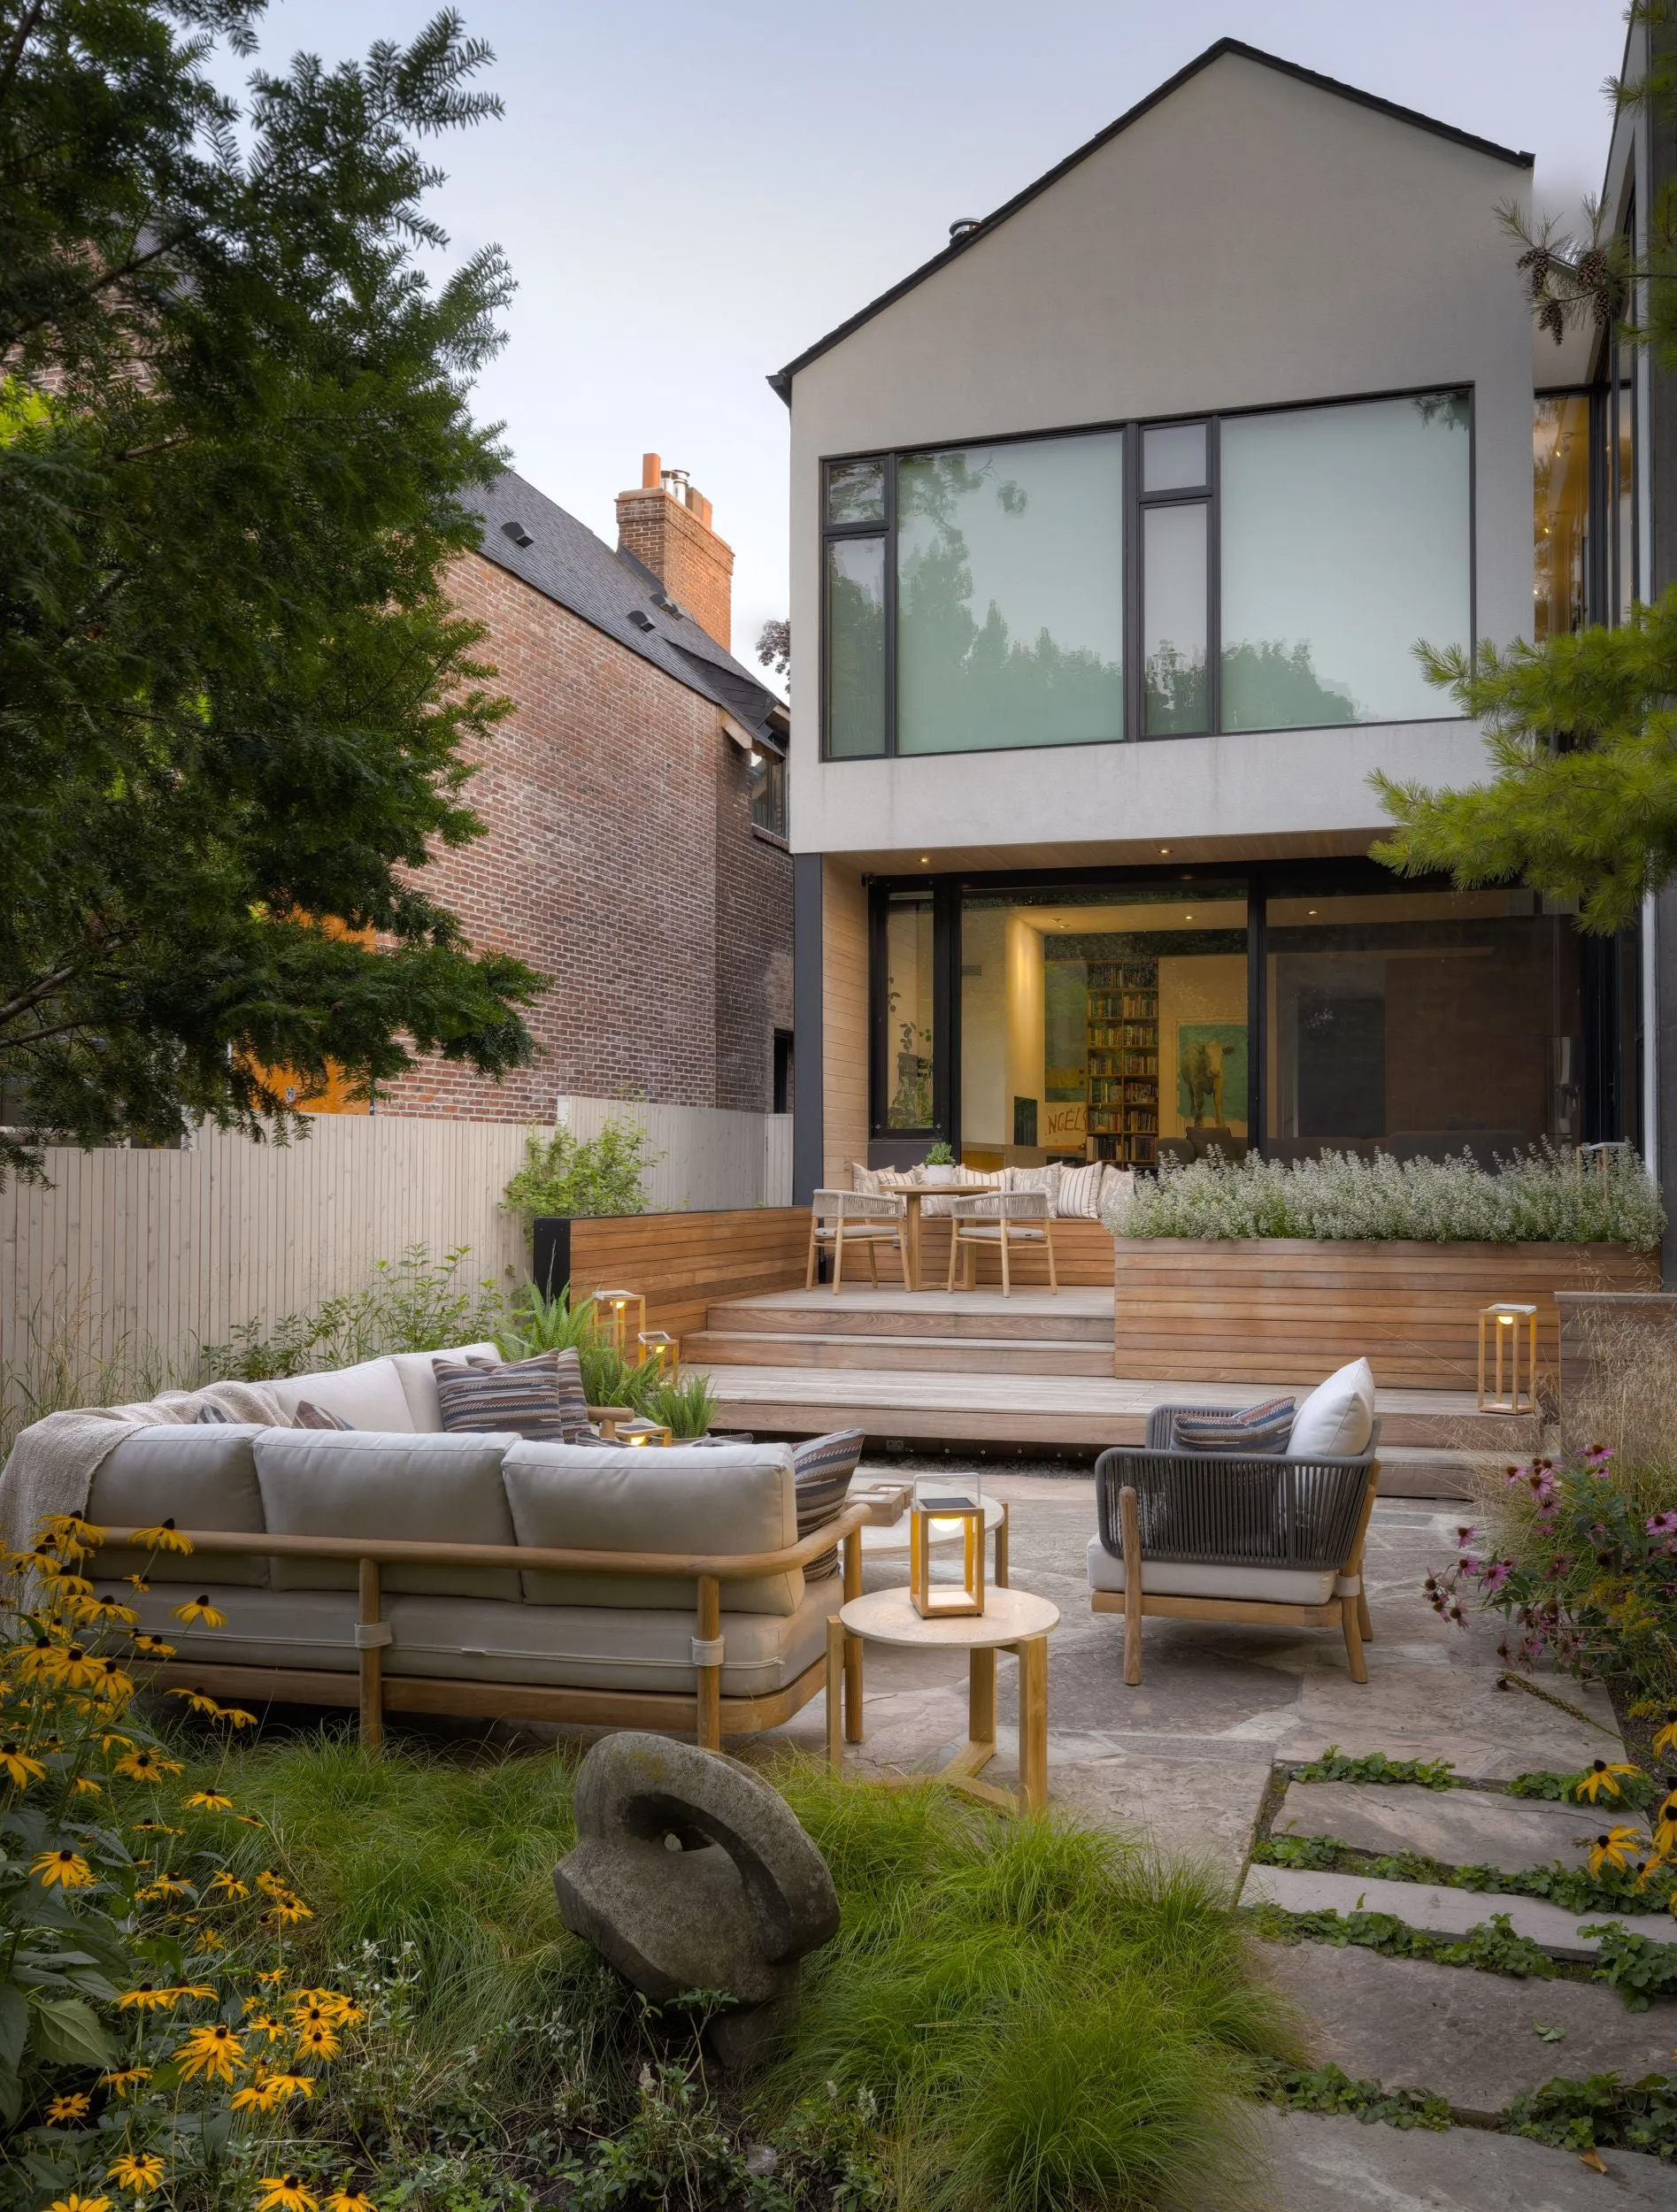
pixel 692 194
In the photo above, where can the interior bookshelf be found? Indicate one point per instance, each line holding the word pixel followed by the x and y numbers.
pixel 1123 1062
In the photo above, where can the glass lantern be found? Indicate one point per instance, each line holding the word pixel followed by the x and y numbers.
pixel 935 1515
pixel 611 1315
pixel 1507 1358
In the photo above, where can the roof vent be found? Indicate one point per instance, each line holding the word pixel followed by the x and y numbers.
pixel 963 226
pixel 641 621
pixel 517 532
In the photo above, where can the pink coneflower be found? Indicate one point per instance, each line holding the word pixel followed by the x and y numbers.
pixel 1494 1574
pixel 1661 1525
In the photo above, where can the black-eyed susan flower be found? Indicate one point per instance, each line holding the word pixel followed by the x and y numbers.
pixel 319 2040
pixel 149 1999
pixel 214 2051
pixel 137 1582
pixel 165 1886
pixel 84 1785
pixel 272 1976
pixel 139 2171
pixel 1602 1775
pixel 68 1589
pixel 112 1683
pixel 1618 1849
pixel 248 1820
pixel 146 1764
pixel 284 1912
pixel 153 1828
pixel 235 1716
pixel 348 2198
pixel 153 1648
pixel 63 1867
pixel 92 1610
pixel 124 2079
pixel 269 2091
pixel 195 1700
pixel 208 1941
pixel 18 1767
pixel 225 1885
pixel 286 2193
pixel 73 2107
pixel 74 2203
pixel 164 1537
pixel 69 1528
pixel 264 2024
pixel 78 1669
pixel 209 1801
pixel 201 1611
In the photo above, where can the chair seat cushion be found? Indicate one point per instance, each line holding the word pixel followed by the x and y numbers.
pixel 195 1476
pixel 990 1232
pixel 1184 1579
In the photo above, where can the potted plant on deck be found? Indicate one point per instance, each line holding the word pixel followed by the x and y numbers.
pixel 940 1163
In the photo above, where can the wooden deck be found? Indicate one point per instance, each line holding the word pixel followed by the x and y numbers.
pixel 1031 1370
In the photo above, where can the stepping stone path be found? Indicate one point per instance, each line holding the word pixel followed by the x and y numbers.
pixel 1469 2036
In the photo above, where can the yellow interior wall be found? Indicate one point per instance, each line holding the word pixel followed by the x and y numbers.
pixel 1027 1032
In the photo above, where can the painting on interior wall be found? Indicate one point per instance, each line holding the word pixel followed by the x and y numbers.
pixel 1211 1073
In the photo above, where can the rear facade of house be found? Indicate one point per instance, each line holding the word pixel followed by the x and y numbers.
pixel 1118 523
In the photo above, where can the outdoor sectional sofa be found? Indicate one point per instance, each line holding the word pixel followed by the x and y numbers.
pixel 393 1565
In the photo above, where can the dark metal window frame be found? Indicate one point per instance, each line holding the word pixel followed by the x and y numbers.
pixel 1134 501
pixel 1608 1007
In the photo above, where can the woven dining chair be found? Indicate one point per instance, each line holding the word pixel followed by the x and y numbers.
pixel 1000 1220
pixel 868 1218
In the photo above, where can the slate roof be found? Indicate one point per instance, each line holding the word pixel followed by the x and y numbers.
pixel 615 594
pixel 780 381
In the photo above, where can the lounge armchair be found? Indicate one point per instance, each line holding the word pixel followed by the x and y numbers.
pixel 1274 1541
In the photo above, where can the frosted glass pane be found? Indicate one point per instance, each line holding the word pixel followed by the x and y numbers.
pixel 1344 539
pixel 1174 642
pixel 1173 457
pixel 1010 595
pixel 855 646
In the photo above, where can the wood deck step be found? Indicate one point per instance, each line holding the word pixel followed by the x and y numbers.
pixel 957 1354
pixel 1081 1315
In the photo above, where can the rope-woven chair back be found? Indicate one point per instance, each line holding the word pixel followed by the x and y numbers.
pixel 1208 1509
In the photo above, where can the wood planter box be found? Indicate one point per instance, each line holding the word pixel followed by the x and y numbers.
pixel 681 1262
pixel 1286 1310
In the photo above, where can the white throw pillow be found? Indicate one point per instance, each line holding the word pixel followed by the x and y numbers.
pixel 1337 1419
pixel 864 1179
pixel 1047 1179
pixel 368 1395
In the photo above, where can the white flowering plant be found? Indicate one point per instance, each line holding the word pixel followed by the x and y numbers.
pixel 1541 1196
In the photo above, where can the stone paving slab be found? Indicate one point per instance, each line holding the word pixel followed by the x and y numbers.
pixel 1468 2036
pixel 1457 1827
pixel 1444 1912
pixel 1322 2165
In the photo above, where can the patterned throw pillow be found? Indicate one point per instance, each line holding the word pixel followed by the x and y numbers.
pixel 1080 1191
pixel 207 1413
pixel 1046 1179
pixel 864 1179
pixel 821 1470
pixel 559 1373
pixel 313 1417
pixel 1249 1433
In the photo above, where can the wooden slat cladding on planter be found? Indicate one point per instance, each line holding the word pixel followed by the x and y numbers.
pixel 683 1261
pixel 1286 1310
pixel 1082 1255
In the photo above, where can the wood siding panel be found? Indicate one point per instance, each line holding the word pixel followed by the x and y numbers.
pixel 682 1263
pixel 1285 1310
pixel 844 1024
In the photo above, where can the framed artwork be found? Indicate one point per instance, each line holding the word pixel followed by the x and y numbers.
pixel 1211 1073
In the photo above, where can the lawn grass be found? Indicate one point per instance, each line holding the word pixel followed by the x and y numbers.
pixel 1034 2017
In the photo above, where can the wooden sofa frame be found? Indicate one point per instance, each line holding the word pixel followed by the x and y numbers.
pixel 705 1710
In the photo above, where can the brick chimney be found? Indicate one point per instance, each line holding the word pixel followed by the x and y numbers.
pixel 667 525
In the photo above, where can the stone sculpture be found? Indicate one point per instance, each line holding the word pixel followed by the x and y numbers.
pixel 690 1872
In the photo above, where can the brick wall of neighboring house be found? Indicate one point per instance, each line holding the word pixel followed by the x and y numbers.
pixel 620 860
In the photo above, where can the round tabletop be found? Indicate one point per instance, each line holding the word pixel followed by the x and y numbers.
pixel 893 1537
pixel 888 1617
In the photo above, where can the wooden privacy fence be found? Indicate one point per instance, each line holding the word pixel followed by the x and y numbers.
pixel 1286 1309
pixel 138 1257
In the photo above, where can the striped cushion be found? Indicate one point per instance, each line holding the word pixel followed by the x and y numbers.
pixel 1248 1432
pixel 522 1400
pixel 313 1417
pixel 208 1413
pixel 866 1178
pixel 1081 1193
pixel 821 1470
pixel 565 1368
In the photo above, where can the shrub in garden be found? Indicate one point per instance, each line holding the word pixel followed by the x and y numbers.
pixel 567 1174
pixel 1543 1196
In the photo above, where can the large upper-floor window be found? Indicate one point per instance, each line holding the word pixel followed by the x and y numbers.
pixel 1260 572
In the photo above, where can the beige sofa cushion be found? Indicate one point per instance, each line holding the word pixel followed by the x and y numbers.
pixel 469 1639
pixel 430 1489
pixel 198 1477
pixel 370 1396
pixel 600 1647
pixel 269 1628
pixel 418 1378
pixel 736 1498
pixel 1182 1578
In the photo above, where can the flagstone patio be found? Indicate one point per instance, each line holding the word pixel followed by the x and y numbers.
pixel 1187 1757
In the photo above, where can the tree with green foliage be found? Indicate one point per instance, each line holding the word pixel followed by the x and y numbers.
pixel 235 703
pixel 1582 731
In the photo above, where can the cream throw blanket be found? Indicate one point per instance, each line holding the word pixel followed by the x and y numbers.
pixel 53 1462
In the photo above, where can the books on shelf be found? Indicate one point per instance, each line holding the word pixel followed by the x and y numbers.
pixel 1122 1057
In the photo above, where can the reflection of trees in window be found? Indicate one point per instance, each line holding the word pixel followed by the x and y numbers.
pixel 910 1106
pixel 1450 408
pixel 1268 685
pixel 973 684
pixel 1175 684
